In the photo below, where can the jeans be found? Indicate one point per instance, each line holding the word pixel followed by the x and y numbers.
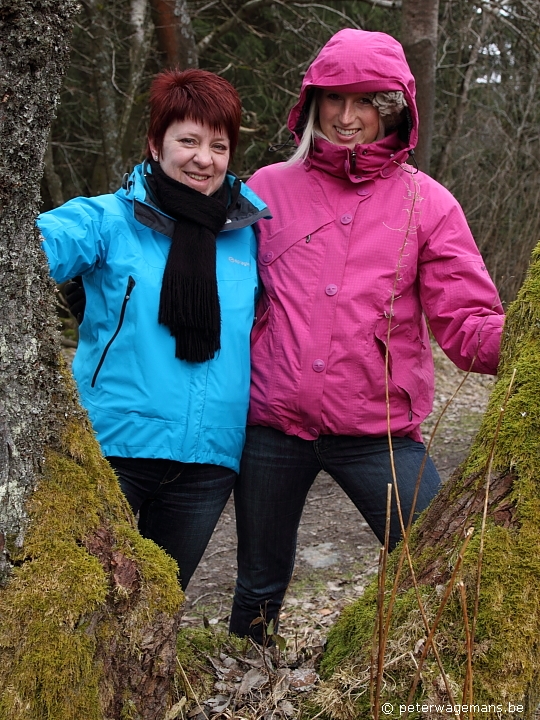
pixel 179 504
pixel 276 473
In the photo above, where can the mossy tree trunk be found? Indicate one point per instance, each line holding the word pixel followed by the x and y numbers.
pixel 89 610
pixel 476 559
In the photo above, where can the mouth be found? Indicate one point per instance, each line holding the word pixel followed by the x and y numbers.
pixel 197 178
pixel 346 133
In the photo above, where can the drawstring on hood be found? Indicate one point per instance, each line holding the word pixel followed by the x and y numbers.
pixel 289 142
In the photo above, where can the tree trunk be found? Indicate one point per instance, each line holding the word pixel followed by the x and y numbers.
pixel 476 559
pixel 419 23
pixel 176 39
pixel 89 609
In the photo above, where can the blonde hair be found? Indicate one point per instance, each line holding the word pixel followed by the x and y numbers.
pixel 308 136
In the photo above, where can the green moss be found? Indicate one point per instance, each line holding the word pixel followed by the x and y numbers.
pixel 506 648
pixel 48 669
pixel 196 676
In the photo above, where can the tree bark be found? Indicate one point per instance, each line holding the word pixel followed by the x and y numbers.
pixel 89 609
pixel 176 39
pixel 419 23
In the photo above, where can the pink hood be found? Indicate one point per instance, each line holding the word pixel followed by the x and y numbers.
pixel 361 61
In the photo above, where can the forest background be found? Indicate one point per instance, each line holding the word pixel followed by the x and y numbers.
pixel 484 139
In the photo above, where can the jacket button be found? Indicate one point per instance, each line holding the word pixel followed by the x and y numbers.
pixel 314 432
pixel 268 257
pixel 386 172
pixel 362 191
pixel 318 365
pixel 346 219
pixel 331 289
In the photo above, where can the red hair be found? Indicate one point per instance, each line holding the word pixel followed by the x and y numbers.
pixel 197 95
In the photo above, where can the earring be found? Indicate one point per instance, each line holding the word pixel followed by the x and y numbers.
pixel 155 158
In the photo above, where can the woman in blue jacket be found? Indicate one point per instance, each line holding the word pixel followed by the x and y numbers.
pixel 169 270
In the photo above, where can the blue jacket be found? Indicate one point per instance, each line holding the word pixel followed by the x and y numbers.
pixel 142 400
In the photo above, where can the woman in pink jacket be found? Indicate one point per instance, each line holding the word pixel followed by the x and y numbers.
pixel 361 250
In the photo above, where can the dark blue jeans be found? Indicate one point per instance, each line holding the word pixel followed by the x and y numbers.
pixel 179 504
pixel 276 473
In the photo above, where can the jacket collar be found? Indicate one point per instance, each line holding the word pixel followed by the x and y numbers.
pixel 247 210
pixel 364 162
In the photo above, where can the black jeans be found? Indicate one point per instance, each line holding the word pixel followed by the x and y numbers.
pixel 179 504
pixel 276 473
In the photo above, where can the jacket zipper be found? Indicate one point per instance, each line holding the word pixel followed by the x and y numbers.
pixel 130 286
pixel 353 162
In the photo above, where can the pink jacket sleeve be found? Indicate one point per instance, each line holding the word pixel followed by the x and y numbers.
pixel 459 298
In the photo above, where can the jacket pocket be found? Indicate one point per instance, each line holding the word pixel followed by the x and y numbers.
pixel 129 289
pixel 300 229
pixel 402 359
pixel 261 324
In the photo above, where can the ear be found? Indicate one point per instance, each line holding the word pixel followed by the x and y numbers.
pixel 153 149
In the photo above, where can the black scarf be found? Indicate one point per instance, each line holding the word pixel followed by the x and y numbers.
pixel 189 302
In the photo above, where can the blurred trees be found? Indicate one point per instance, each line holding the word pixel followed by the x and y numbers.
pixel 485 137
pixel 486 145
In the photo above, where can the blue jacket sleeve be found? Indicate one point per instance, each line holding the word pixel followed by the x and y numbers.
pixel 73 241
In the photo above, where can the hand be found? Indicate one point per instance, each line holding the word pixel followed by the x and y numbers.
pixel 76 297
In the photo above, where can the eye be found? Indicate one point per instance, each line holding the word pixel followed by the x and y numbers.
pixel 334 97
pixel 220 147
pixel 365 101
pixel 187 141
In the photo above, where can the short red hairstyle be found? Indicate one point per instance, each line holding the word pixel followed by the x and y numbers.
pixel 197 95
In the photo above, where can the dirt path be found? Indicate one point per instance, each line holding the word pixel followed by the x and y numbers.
pixel 337 552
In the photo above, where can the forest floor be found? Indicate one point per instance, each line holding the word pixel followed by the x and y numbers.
pixel 337 556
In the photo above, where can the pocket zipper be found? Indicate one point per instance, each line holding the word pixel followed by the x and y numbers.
pixel 130 286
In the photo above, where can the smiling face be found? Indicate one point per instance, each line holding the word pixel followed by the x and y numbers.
pixel 347 119
pixel 195 155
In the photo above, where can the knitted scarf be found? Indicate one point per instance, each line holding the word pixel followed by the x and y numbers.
pixel 189 302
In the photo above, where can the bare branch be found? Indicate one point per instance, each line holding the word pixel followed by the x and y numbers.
pixel 250 7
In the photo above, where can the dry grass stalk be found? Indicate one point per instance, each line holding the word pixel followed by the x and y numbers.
pixel 190 687
pixel 405 531
pixel 429 640
pixel 380 609
pixel 467 695
pixel 485 508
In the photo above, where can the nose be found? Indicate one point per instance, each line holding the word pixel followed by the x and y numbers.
pixel 347 112
pixel 203 156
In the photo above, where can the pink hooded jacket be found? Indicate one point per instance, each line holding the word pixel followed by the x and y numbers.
pixel 360 250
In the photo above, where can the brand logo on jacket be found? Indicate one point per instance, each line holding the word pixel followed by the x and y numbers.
pixel 239 262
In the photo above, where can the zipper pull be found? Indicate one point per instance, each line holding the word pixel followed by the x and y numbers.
pixel 353 161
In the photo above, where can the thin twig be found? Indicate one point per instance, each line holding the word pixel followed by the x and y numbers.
pixel 429 639
pixel 193 693
pixel 486 502
pixel 467 696
pixel 380 603
pixel 404 531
